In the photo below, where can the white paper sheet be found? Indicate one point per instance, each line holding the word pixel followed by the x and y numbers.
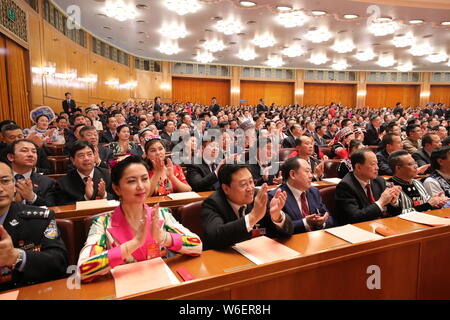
pixel 423 218
pixel 183 195
pixel 332 180
pixel 353 234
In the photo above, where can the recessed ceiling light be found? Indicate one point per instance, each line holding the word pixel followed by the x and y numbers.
pixel 416 21
pixel 350 16
pixel 284 8
pixel 445 23
pixel 247 3
pixel 318 12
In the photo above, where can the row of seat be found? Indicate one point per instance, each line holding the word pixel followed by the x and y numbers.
pixel 188 215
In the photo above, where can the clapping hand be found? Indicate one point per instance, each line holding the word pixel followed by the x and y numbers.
pixel 277 204
pixel 260 205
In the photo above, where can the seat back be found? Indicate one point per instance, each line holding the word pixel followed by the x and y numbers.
pixel 328 198
pixel 66 227
pixel 59 164
pixel 191 218
pixel 55 149
pixel 284 153
pixel 330 168
pixel 56 177
pixel 326 151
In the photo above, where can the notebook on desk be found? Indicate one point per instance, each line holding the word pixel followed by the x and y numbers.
pixel 261 250
pixel 423 218
pixel 353 234
pixel 183 195
pixel 92 204
pixel 332 180
pixel 134 278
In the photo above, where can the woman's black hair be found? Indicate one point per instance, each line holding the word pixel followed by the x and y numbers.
pixel 40 116
pixel 121 127
pixel 118 170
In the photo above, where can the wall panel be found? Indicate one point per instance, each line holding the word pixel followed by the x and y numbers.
pixel 324 94
pixel 440 94
pixel 280 93
pixel 200 90
pixel 380 96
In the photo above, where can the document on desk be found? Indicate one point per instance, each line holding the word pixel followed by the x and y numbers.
pixel 261 250
pixel 332 180
pixel 91 204
pixel 9 295
pixel 353 234
pixel 133 278
pixel 183 195
pixel 423 218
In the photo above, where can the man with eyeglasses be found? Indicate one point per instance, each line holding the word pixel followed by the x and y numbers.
pixel 31 249
pixel 414 196
pixel 103 156
pixel 413 141
pixel 234 213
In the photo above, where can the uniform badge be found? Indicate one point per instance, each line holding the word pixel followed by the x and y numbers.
pixel 52 230
pixel 14 222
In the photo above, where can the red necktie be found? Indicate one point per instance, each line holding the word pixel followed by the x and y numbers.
pixel 304 202
pixel 369 193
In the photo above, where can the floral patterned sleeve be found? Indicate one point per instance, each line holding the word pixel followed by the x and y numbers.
pixel 178 171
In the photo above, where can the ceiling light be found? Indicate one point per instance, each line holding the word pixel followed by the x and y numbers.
pixel 340 65
pixel 350 16
pixel 113 82
pixel 404 40
pixel 416 21
pixel 405 67
pixel 247 3
pixel 293 51
pixel 318 35
pixel 120 11
pixel 365 55
pixel 247 54
pixel 204 57
pixel 419 50
pixel 169 48
pixel 382 27
pixel 386 61
pixel 182 7
pixel 284 8
pixel 318 58
pixel 275 61
pixel 437 57
pixel 343 46
pixel 214 45
pixel 173 31
pixel 318 12
pixel 264 41
pixel 291 19
pixel 445 23
pixel 229 26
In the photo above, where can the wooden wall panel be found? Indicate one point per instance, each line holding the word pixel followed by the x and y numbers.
pixel 37 85
pixel 280 93
pixel 380 96
pixel 324 94
pixel 440 94
pixel 200 90
pixel 4 99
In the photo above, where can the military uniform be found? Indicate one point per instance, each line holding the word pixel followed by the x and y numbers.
pixel 33 230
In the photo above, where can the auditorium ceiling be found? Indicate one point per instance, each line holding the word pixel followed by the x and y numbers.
pixel 402 35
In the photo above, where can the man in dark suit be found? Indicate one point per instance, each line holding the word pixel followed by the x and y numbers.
pixel 266 168
pixel 157 105
pixel 261 107
pixel 362 195
pixel 110 134
pixel 294 132
pixel 31 248
pixel 203 177
pixel 398 109
pixel 103 156
pixel 32 188
pixel 422 156
pixel 214 108
pixel 371 137
pixel 305 151
pixel 86 181
pixel 303 203
pixel 234 214
pixel 69 104
pixel 166 135
pixel 390 143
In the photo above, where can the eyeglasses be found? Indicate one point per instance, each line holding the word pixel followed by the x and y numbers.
pixel 6 181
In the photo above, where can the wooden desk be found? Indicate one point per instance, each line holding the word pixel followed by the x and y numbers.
pixel 414 265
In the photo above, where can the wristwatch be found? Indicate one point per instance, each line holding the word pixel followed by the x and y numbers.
pixel 19 260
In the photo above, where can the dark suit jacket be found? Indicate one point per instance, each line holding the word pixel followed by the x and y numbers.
pixel 288 142
pixel 157 107
pixel 223 228
pixel 261 108
pixel 255 170
pixel 371 136
pixel 106 137
pixel 169 143
pixel 44 188
pixel 200 177
pixel 69 107
pixel 214 109
pixel 422 159
pixel 383 164
pixel 106 155
pixel 293 210
pixel 353 205
pixel 70 188
pixel 46 254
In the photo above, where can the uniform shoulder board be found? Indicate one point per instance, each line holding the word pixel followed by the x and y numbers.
pixel 35 213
